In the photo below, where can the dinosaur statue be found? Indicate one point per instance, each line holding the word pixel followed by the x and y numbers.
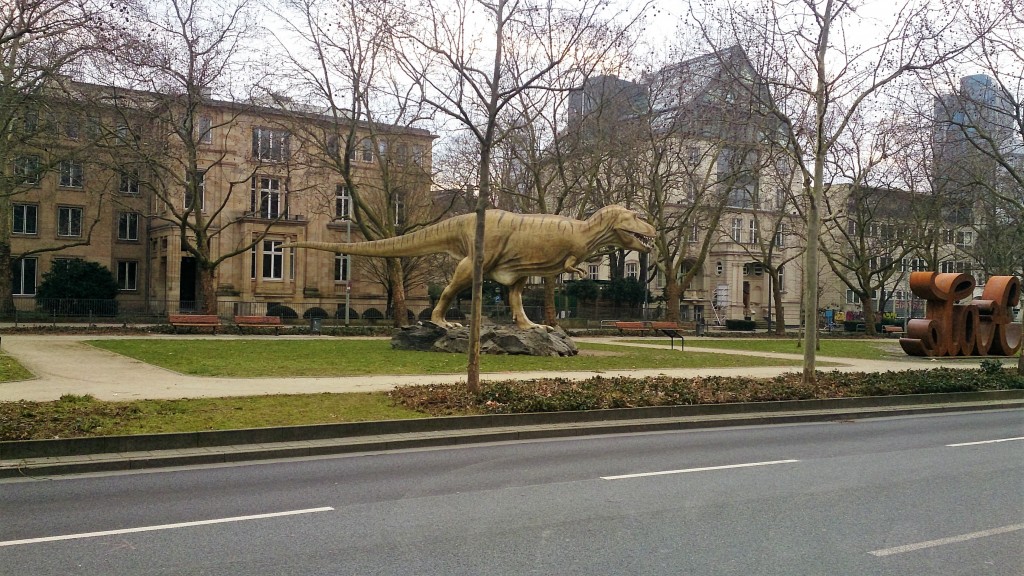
pixel 516 246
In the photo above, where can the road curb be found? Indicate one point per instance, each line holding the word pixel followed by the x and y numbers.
pixel 81 455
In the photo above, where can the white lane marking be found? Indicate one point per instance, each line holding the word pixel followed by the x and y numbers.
pixel 705 469
pixel 984 442
pixel 161 527
pixel 944 541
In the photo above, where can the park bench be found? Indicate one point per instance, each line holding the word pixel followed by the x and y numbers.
pixel 641 328
pixel 671 329
pixel 193 321
pixel 892 331
pixel 258 322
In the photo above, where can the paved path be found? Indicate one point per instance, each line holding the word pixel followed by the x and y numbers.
pixel 66 365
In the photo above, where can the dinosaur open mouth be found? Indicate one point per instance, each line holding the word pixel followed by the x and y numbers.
pixel 645 240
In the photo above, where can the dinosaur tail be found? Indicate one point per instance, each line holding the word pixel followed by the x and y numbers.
pixel 431 240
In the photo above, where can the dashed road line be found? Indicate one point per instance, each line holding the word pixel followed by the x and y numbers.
pixel 161 527
pixel 984 442
pixel 704 469
pixel 944 541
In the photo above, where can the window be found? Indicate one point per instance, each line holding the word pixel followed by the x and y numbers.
pixel 273 260
pixel 23 277
pixel 401 154
pixel 269 144
pixel 26 169
pixel 693 155
pixel 755 235
pixel 72 126
pixel 955 266
pixel 127 275
pixel 851 297
pixel 129 182
pixel 362 152
pixel 737 228
pixel 592 271
pixel 267 200
pixel 740 198
pixel 72 173
pixel 719 268
pixel 780 236
pixel 69 221
pixel 399 213
pixel 965 239
pixel 128 226
pixel 417 154
pixel 204 127
pixel 341 267
pixel 25 219
pixel 633 270
pixel 694 232
pixel 199 180
pixel 851 227
pixel 782 279
pixel 342 202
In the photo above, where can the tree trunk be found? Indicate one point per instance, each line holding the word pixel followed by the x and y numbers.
pixel 396 278
pixel 780 314
pixel 550 311
pixel 672 294
pixel 206 295
pixel 6 289
pixel 869 316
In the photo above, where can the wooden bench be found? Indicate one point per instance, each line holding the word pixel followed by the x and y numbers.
pixel 672 330
pixel 640 327
pixel 893 331
pixel 258 322
pixel 193 321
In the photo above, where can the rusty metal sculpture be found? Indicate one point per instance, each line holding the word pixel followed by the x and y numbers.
pixel 981 327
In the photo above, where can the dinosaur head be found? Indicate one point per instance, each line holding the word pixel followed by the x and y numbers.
pixel 625 228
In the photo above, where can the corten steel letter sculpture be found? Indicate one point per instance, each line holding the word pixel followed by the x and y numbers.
pixel 981 327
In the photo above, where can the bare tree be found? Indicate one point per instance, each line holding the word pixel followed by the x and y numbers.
pixel 345 62
pixel 472 77
pixel 190 49
pixel 43 43
pixel 820 78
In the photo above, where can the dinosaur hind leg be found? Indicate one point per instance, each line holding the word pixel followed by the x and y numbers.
pixel 461 279
pixel 515 297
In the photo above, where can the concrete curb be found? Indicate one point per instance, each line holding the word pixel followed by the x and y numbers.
pixel 35 458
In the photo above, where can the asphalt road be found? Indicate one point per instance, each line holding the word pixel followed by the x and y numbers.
pixel 901 496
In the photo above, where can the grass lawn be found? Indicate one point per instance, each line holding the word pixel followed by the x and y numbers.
pixel 75 416
pixel 862 349
pixel 342 357
pixel 11 370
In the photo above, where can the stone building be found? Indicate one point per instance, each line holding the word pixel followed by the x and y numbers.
pixel 263 176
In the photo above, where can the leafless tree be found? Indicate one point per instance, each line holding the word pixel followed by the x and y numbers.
pixel 344 62
pixel 183 52
pixel 471 59
pixel 44 44
pixel 820 77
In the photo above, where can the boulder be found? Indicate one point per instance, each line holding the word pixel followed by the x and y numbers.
pixel 430 337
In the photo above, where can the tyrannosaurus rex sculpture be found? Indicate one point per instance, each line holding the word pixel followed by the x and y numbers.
pixel 516 246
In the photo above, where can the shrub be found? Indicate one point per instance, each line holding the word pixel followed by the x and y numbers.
pixel 585 290
pixel 740 324
pixel 77 279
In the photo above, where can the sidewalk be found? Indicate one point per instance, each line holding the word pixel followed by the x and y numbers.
pixel 66 365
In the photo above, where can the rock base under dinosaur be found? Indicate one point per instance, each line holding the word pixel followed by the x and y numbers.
pixel 430 337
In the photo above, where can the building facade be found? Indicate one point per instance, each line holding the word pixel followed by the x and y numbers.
pixel 263 176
